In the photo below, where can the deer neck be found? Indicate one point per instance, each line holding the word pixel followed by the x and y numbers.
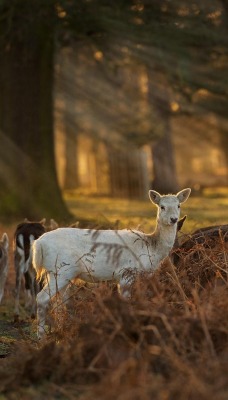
pixel 165 236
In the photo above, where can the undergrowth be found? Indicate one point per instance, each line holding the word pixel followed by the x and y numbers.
pixel 170 341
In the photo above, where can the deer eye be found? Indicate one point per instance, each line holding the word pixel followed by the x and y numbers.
pixel 162 207
pixel 178 205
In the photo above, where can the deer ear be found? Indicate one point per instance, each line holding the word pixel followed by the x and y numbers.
pixel 5 240
pixel 53 224
pixel 42 221
pixel 154 196
pixel 183 195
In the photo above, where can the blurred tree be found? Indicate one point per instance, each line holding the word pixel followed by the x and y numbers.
pixel 182 46
pixel 165 178
pixel 71 167
pixel 223 125
pixel 188 75
pixel 26 111
pixel 185 42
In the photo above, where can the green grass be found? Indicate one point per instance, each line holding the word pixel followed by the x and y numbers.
pixel 208 209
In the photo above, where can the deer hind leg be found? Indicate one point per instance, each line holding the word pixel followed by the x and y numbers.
pixel 2 283
pixel 52 287
pixel 28 289
pixel 19 273
pixel 31 290
pixel 124 286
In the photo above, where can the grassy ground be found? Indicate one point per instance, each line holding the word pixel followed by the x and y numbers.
pixel 207 209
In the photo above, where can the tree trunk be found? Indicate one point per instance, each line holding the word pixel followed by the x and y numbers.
pixel 28 179
pixel 164 170
pixel 71 180
pixel 127 174
pixel 224 147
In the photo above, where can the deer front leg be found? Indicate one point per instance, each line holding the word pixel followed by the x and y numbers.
pixel 17 294
pixel 124 285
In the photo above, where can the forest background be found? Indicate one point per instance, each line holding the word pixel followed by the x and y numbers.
pixel 100 101
pixel 110 99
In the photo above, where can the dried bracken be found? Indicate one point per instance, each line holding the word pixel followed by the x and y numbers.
pixel 170 341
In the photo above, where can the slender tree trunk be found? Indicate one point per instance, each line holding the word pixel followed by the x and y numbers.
pixel 71 180
pixel 127 174
pixel 164 168
pixel 224 147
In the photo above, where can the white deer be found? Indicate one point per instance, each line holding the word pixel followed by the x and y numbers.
pixel 25 234
pixel 104 255
pixel 4 247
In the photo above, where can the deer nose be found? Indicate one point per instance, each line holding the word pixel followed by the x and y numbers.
pixel 174 220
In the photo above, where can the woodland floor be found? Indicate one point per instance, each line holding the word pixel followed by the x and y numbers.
pixel 169 343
